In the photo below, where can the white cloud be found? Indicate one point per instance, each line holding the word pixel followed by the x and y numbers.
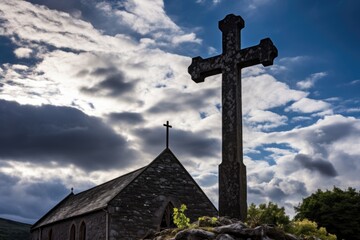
pixel 353 110
pixel 265 120
pixel 265 92
pixel 254 4
pixel 310 81
pixel 212 51
pixel 148 18
pixel 23 52
pixel 292 60
pixel 300 118
pixel 354 82
pixel 190 37
pixel 328 144
pixel 307 105
pixel 58 29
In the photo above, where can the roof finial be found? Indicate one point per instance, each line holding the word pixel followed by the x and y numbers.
pixel 167 133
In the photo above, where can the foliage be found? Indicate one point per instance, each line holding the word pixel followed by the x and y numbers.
pixel 180 219
pixel 308 230
pixel 208 221
pixel 267 214
pixel 336 210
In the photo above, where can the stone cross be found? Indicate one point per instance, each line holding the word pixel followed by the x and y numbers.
pixel 232 171
pixel 167 133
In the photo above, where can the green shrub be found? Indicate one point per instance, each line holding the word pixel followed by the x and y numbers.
pixel 180 219
pixel 206 221
pixel 267 214
pixel 307 229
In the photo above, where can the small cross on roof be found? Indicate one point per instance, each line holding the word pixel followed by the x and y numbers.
pixel 167 133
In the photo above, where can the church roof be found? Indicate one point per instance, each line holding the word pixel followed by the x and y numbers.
pixel 87 201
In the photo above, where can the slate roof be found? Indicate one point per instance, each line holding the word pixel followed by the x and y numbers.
pixel 87 201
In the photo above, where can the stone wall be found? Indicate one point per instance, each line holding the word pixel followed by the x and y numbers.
pixel 95 228
pixel 140 206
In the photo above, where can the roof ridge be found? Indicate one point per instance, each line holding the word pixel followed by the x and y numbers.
pixel 51 210
pixel 143 169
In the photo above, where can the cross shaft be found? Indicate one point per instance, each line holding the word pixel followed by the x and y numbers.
pixel 167 125
pixel 232 171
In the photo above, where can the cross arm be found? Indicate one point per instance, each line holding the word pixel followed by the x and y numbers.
pixel 201 68
pixel 263 53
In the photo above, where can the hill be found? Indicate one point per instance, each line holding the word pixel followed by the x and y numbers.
pixel 11 230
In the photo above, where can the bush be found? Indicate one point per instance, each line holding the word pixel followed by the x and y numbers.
pixel 308 230
pixel 206 221
pixel 180 219
pixel 267 214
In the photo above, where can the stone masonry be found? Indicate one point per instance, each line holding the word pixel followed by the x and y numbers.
pixel 140 206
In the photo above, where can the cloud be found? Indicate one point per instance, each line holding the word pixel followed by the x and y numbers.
pixel 300 119
pixel 353 110
pixel 190 37
pixel 254 4
pixel 316 164
pixel 212 51
pixel 310 81
pixel 207 179
pixel 184 101
pixel 61 135
pixel 316 138
pixel 354 82
pixel 265 119
pixel 113 83
pixel 184 143
pixel 317 156
pixel 68 6
pixel 147 19
pixel 293 60
pixel 264 92
pixel 23 52
pixel 307 105
pixel 25 200
pixel 42 26
pixel 261 176
pixel 276 189
pixel 129 118
pixel 326 139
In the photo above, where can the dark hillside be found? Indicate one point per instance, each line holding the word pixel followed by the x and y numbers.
pixel 11 230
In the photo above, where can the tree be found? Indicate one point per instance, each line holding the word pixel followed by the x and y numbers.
pixel 336 210
pixel 267 214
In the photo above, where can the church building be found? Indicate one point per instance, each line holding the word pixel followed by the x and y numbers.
pixel 127 207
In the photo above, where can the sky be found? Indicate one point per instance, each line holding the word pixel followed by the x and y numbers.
pixel 86 86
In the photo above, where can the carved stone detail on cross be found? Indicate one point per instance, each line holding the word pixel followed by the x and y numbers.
pixel 232 171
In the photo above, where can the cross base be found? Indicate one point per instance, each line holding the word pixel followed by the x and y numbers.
pixel 232 188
